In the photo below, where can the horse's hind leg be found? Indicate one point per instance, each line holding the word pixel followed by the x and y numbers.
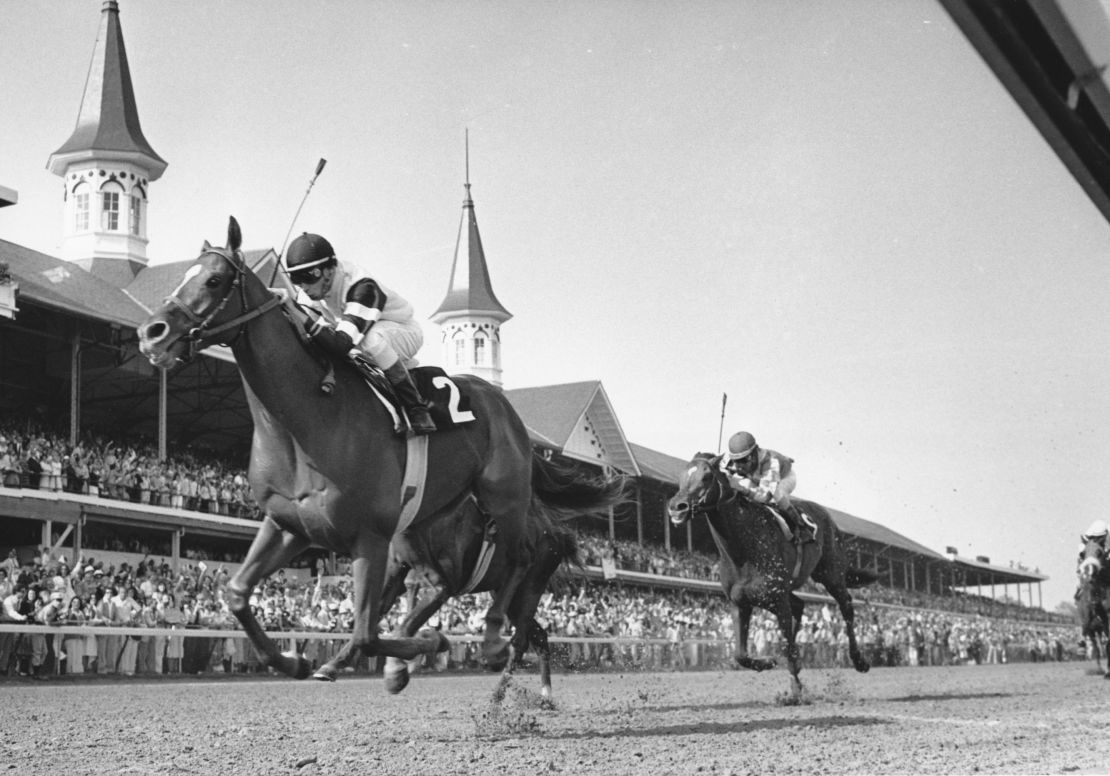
pixel 848 614
pixel 271 550
pixel 397 670
pixel 537 637
pixel 495 650
pixel 785 615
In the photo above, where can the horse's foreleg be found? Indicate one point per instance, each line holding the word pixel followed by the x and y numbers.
pixel 848 614
pixel 742 626
pixel 271 550
pixel 394 586
pixel 368 573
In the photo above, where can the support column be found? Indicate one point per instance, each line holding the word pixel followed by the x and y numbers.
pixel 666 531
pixel 75 387
pixel 639 514
pixel 175 549
pixel 163 380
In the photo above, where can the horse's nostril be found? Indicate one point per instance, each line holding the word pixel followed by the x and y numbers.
pixel 153 331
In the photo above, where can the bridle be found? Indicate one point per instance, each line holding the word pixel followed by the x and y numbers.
pixel 203 333
pixel 714 496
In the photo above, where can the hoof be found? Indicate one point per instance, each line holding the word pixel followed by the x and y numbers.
pixel 325 673
pixel 396 675
pixel 754 664
pixel 496 655
pixel 294 665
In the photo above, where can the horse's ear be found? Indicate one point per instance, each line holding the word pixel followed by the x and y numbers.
pixel 234 235
pixel 206 247
pixel 715 461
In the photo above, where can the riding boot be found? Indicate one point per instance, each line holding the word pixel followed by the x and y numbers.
pixel 415 406
pixel 802 532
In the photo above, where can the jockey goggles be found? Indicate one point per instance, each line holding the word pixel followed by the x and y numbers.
pixel 306 277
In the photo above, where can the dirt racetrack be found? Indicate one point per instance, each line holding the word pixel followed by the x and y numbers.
pixel 1015 719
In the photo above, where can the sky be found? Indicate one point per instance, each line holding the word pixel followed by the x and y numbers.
pixel 832 212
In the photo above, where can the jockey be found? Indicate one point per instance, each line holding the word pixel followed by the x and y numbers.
pixel 1096 531
pixel 355 310
pixel 765 476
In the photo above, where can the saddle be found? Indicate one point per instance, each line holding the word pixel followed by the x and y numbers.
pixel 448 405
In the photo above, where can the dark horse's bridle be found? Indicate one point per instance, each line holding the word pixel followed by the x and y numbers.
pixel 203 333
pixel 708 502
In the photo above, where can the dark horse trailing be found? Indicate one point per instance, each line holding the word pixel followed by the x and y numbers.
pixel 760 564
pixel 329 469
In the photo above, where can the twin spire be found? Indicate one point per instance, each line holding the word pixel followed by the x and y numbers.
pixel 107 165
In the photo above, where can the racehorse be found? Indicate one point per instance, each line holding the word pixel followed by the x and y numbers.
pixel 1092 601
pixel 327 466
pixel 458 552
pixel 760 565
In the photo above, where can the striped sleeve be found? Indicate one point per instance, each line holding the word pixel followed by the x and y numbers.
pixel 364 304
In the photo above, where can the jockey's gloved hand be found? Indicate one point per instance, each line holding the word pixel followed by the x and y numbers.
pixel 332 341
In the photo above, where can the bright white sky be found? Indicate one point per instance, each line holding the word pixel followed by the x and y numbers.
pixel 831 211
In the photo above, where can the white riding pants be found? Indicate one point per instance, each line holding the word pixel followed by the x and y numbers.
pixel 388 342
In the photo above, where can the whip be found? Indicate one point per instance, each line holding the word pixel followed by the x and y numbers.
pixel 319 168
pixel 721 430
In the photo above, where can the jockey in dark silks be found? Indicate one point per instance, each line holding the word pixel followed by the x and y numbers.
pixel 356 311
pixel 765 476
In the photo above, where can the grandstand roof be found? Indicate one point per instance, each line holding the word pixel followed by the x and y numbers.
pixel 62 285
pixel 579 419
pixel 657 465
pixel 880 534
pixel 974 572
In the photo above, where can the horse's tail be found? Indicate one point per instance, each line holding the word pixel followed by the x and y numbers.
pixel 573 492
pixel 559 548
pixel 854 577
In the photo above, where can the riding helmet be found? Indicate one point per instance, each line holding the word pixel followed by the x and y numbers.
pixel 308 251
pixel 1096 529
pixel 740 444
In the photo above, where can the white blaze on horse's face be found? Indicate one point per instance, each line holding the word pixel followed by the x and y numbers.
pixel 190 273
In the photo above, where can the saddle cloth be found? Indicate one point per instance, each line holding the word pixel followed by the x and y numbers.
pixel 448 404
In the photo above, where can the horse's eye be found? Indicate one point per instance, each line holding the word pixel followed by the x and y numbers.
pixel 215 281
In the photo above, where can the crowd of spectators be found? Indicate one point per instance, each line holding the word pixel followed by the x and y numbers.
pixel 32 457
pixel 629 620
pixel 894 627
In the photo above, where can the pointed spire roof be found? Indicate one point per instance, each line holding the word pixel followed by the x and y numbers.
pixel 108 122
pixel 470 291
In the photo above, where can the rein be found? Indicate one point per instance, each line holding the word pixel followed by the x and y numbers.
pixel 704 504
pixel 203 333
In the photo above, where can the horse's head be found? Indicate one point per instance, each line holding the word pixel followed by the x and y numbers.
pixel 210 301
pixel 1092 560
pixel 701 486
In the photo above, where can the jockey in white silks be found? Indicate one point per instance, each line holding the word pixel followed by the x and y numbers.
pixel 357 311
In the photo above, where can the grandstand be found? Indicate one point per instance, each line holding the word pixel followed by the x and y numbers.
pixel 69 364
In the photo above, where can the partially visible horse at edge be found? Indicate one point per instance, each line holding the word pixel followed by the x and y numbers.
pixel 1092 602
pixel 761 566
pixel 327 467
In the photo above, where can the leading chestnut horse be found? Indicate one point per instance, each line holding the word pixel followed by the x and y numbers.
pixel 327 467
pixel 760 565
